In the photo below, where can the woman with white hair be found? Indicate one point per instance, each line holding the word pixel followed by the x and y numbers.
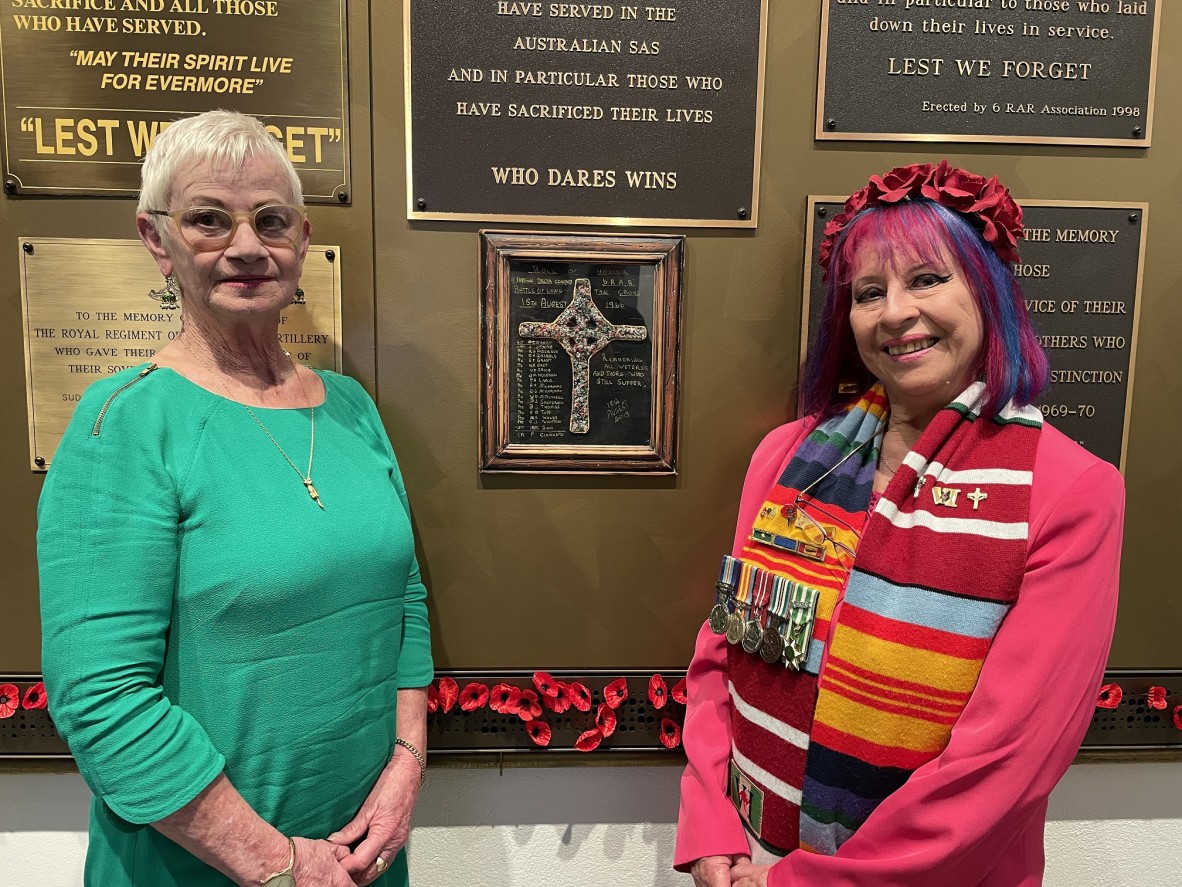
pixel 236 644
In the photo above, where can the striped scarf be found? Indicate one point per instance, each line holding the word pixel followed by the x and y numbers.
pixel 890 669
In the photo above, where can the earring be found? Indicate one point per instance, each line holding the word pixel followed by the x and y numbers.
pixel 299 297
pixel 169 296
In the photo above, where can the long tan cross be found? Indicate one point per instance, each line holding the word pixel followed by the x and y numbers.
pixel 582 331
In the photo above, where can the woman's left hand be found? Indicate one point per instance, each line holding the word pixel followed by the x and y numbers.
pixel 746 874
pixel 383 822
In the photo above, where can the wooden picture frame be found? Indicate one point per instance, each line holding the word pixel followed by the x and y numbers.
pixel 581 349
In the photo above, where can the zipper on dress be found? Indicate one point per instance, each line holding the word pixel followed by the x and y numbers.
pixel 98 422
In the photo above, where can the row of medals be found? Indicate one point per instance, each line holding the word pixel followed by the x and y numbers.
pixel 770 642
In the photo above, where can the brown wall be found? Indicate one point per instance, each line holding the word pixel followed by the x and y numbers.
pixel 617 572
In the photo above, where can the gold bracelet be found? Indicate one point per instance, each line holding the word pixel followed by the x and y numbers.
pixel 422 761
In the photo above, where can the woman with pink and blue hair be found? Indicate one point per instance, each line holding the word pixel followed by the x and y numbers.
pixel 908 634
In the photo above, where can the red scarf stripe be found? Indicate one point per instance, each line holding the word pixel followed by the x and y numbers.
pixel 933 694
pixel 906 706
pixel 914 636
pixel 870 752
pixel 872 689
pixel 813 574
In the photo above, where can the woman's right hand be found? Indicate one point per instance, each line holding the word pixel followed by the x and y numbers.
pixel 319 863
pixel 712 871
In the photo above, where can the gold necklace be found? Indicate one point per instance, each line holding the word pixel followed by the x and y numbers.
pixel 305 478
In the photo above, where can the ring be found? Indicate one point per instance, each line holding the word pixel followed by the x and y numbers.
pixel 379 864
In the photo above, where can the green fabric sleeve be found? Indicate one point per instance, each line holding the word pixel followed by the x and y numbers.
pixel 107 546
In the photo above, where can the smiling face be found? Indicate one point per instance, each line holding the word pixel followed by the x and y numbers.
pixel 246 280
pixel 917 327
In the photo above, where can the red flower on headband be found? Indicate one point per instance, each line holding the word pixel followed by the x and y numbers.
pixel 616 693
pixel 658 691
pixel 505 699
pixel 561 700
pixel 670 734
pixel 605 720
pixel 589 741
pixel 580 696
pixel 528 707
pixel 432 699
pixel 678 692
pixel 1110 696
pixel 449 692
pixel 1156 697
pixel 10 700
pixel 35 696
pixel 473 696
pixel 987 201
pixel 539 732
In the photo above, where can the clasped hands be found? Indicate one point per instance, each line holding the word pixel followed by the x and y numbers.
pixel 380 828
pixel 728 871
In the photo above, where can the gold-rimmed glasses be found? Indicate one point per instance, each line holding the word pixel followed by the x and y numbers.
pixel 208 228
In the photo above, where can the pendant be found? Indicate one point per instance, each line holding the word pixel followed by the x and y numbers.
pixel 312 492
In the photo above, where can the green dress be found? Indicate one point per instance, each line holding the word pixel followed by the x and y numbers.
pixel 201 614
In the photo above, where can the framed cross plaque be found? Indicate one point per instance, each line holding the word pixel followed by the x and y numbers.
pixel 581 336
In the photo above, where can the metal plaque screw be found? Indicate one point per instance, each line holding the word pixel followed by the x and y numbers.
pixel 831 123
pixel 10 186
pixel 822 211
pixel 742 212
pixel 342 197
pixel 39 461
pixel 27 247
pixel 421 203
pixel 1137 131
pixel 1132 218
pixel 330 255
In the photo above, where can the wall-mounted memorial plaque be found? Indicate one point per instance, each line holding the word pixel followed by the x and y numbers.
pixel 89 83
pixel 581 352
pixel 1081 276
pixel 87 314
pixel 1075 72
pixel 584 112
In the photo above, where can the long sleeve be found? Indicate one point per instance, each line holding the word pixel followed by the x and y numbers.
pixel 107 553
pixel 415 666
pixel 974 815
pixel 707 823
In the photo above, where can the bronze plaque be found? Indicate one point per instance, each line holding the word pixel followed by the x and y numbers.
pixel 89 83
pixel 87 314
pixel 1081 274
pixel 1075 72
pixel 584 112
pixel 581 336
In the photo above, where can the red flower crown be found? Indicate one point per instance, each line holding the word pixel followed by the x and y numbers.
pixel 998 217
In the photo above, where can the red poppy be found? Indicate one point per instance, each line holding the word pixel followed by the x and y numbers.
pixel 449 692
pixel 658 691
pixel 589 741
pixel 670 733
pixel 432 698
pixel 1178 716
pixel 1156 697
pixel 539 731
pixel 678 692
pixel 561 700
pixel 605 720
pixel 616 693
pixel 35 696
pixel 529 707
pixel 505 699
pixel 10 700
pixel 580 696
pixel 546 685
pixel 1110 695
pixel 473 696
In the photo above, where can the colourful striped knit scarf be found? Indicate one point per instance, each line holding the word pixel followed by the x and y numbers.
pixel 892 666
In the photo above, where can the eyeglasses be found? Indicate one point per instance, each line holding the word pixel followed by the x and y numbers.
pixel 208 228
